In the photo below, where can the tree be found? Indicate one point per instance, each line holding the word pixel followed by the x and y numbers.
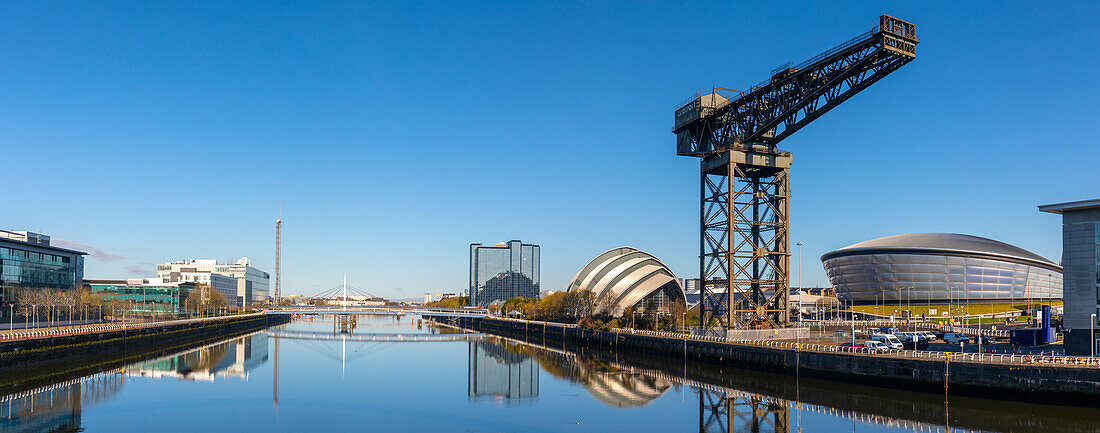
pixel 204 298
pixel 678 312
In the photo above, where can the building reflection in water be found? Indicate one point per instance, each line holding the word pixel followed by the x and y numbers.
pixel 232 358
pixel 56 408
pixel 498 371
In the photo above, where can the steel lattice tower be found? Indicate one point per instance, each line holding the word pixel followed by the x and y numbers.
pixel 744 247
pixel 278 258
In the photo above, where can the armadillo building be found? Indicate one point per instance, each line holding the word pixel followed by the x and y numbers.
pixel 634 278
pixel 938 267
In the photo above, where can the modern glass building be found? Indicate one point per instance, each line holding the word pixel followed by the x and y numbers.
pixel 144 295
pixel 503 271
pixel 938 268
pixel 29 262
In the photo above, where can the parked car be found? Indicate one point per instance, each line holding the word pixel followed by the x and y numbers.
pixel 955 337
pixel 849 347
pixel 890 340
pixel 931 336
pixel 914 341
pixel 887 330
pixel 839 333
pixel 876 346
pixel 986 339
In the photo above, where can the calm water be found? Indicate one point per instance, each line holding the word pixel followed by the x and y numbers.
pixel 394 374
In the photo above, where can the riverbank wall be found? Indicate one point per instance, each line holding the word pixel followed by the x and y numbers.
pixel 1042 383
pixel 25 363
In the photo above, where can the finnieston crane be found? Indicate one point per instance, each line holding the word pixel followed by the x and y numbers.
pixel 744 251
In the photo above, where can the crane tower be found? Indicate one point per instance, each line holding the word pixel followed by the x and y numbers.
pixel 744 253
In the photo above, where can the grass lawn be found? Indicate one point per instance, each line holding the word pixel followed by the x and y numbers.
pixel 972 309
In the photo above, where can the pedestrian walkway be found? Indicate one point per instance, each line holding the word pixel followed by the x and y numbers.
pixel 6 326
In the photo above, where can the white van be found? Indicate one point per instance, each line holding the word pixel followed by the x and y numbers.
pixel 875 346
pixel 890 340
pixel 955 337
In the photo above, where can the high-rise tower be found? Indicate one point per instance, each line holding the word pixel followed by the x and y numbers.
pixel 278 270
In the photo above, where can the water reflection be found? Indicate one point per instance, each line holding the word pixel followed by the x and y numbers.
pixel 750 401
pixel 232 358
pixel 498 372
pixel 58 407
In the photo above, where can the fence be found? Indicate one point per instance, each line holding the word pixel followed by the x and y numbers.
pixel 92 329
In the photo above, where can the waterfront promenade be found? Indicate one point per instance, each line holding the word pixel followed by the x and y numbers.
pixel 1062 379
pixel 88 329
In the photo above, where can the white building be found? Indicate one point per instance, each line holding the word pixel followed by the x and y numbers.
pixel 252 284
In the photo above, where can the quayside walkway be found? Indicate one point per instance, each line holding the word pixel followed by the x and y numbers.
pixel 65 331
pixel 1057 379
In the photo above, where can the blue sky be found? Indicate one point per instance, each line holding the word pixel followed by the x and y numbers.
pixel 391 135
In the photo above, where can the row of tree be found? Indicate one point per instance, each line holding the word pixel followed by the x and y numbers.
pixel 584 308
pixel 48 307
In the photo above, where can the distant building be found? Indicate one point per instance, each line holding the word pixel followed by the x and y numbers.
pixel 28 261
pixel 1081 265
pixel 147 295
pixel 252 283
pixel 502 271
pixel 227 286
pixel 357 301
pixel 427 298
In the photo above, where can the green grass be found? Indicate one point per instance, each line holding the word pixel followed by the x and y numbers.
pixel 964 309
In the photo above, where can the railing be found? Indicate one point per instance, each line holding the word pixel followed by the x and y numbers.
pixel 93 329
pixel 968 330
pixel 830 348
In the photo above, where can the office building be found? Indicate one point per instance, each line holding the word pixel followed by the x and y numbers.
pixel 503 271
pixel 252 283
pixel 145 295
pixel 1081 267
pixel 29 262
pixel 940 268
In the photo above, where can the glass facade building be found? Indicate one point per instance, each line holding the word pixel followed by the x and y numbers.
pixel 146 298
pixel 940 267
pixel 29 262
pixel 503 271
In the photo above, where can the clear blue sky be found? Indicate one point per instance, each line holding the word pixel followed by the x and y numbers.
pixel 392 135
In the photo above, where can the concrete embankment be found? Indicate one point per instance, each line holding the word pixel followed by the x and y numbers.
pixel 1044 383
pixel 31 362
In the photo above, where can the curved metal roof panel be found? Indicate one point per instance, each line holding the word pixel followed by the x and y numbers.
pixel 940 242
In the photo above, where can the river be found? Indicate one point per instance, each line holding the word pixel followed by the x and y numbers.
pixel 397 373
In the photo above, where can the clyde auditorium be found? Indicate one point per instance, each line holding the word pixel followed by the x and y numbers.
pixel 938 267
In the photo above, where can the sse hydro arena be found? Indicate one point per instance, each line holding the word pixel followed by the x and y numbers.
pixel 940 267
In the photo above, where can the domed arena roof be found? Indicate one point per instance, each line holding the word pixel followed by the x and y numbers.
pixel 939 242
pixel 626 273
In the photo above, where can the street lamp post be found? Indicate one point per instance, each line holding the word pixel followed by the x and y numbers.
pixel 1092 335
pixel 799 304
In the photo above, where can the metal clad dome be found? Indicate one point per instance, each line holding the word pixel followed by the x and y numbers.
pixel 629 275
pixel 940 268
pixel 945 242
